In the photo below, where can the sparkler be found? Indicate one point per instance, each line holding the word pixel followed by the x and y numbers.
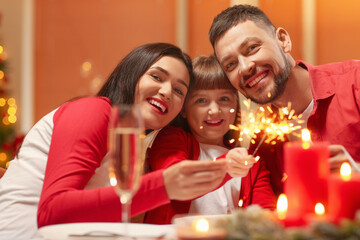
pixel 275 126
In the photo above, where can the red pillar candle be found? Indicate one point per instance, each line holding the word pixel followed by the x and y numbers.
pixel 307 168
pixel 344 195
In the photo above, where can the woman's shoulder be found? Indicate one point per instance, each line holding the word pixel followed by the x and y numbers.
pixel 88 102
pixel 86 106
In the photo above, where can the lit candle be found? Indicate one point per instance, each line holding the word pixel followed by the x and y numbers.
pixel 344 194
pixel 307 168
pixel 282 210
pixel 318 215
pixel 194 228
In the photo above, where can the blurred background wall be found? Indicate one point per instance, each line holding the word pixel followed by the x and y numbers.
pixel 60 49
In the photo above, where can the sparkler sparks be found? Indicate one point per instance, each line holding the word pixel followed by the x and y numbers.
pixel 275 126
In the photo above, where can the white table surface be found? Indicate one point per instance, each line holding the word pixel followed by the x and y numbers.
pixel 142 231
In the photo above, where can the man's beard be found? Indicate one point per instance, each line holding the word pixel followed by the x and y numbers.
pixel 280 81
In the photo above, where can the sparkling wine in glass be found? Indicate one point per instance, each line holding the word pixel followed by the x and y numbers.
pixel 126 132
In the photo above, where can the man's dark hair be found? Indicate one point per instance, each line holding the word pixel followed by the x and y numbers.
pixel 232 16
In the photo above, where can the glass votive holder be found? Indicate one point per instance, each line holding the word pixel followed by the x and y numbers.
pixel 194 227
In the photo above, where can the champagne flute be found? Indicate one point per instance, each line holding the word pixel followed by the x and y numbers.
pixel 126 130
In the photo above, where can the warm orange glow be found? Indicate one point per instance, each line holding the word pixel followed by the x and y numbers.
pixel 241 203
pixel 11 101
pixel 202 225
pixel 282 206
pixel 12 110
pixel 12 119
pixel 2 102
pixel 5 121
pixel 3 157
pixel 345 171
pixel 257 158
pixel 319 209
pixel 86 66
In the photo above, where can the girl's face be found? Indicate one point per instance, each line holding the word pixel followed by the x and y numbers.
pixel 209 114
pixel 161 91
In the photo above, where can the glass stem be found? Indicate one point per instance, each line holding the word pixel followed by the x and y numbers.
pixel 125 215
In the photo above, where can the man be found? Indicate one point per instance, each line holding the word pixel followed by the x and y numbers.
pixel 256 58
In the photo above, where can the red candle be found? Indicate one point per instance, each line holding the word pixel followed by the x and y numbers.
pixel 307 169
pixel 344 194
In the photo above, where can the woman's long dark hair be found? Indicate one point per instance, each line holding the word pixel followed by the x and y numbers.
pixel 121 84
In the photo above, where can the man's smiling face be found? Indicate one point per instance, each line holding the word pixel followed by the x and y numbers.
pixel 254 61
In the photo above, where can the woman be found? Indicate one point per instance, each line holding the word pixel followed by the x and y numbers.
pixel 71 142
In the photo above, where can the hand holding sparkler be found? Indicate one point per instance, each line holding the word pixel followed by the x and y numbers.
pixel 239 162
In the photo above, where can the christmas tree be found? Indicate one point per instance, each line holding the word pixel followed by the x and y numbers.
pixel 9 141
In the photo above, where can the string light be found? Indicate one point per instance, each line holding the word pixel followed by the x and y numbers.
pixel 8 110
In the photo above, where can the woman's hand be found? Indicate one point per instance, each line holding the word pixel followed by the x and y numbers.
pixel 239 162
pixel 190 179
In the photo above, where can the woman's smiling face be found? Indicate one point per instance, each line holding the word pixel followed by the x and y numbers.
pixel 161 91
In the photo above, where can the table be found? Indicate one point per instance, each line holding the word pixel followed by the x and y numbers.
pixel 107 231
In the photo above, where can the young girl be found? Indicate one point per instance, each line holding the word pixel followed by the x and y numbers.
pixel 209 109
pixel 71 143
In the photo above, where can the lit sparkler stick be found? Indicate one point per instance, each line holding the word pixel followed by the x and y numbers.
pixel 259 144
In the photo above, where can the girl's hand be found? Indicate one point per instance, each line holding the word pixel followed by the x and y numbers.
pixel 190 179
pixel 239 162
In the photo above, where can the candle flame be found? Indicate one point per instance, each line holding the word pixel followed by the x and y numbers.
pixel 282 206
pixel 241 203
pixel 305 135
pixel 319 209
pixel 202 225
pixel 345 171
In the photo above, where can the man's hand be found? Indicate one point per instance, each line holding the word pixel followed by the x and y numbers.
pixel 190 179
pixel 337 157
